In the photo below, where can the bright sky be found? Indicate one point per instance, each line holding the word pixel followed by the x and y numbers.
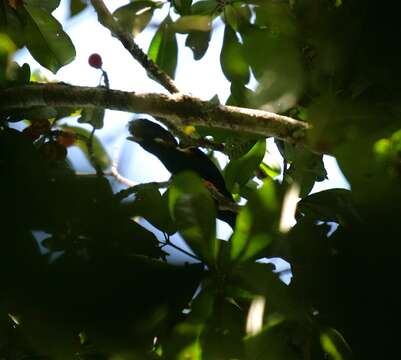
pixel 202 78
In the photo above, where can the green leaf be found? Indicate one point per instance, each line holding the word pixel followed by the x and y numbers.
pixel 198 42
pixel 163 49
pixel 256 224
pixel 47 5
pixel 279 340
pixel 204 7
pixel 93 116
pixel 153 207
pixel 334 344
pixel 46 40
pixel 76 6
pixel 182 6
pixel 99 151
pixel 330 205
pixel 135 16
pixel 237 15
pixel 11 24
pixel 233 63
pixel 305 167
pixel 276 63
pixel 240 95
pixel 194 213
pixel 188 23
pixel 239 171
pixel 259 279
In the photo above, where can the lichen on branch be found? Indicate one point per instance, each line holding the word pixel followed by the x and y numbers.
pixel 179 110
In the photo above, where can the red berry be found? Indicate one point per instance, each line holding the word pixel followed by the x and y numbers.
pixel 95 60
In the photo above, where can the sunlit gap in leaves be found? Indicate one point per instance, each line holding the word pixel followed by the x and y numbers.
pixel 41 237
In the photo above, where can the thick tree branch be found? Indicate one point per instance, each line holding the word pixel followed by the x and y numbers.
pixel 181 110
pixel 108 21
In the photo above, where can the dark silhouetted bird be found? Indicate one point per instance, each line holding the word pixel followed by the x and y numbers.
pixel 161 143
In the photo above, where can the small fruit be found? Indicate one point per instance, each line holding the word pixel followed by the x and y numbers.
pixel 95 60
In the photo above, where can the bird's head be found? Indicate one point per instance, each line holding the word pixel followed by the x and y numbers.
pixel 145 131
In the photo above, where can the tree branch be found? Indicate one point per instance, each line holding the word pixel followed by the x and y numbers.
pixel 181 110
pixel 154 71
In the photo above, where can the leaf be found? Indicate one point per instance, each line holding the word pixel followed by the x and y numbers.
pixel 334 344
pixel 163 49
pixel 240 95
pixel 46 40
pixel 93 116
pixel 204 7
pixel 182 6
pixel 256 224
pixel 259 279
pixel 233 63
pixel 99 151
pixel 153 207
pixel 188 23
pixel 135 16
pixel 47 5
pixel 277 341
pixel 239 171
pixel 198 42
pixel 194 213
pixel 305 167
pixel 77 6
pixel 330 205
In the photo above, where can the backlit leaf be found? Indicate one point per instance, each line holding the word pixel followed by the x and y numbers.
pixel 46 40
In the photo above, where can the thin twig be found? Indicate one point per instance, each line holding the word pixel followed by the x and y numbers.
pixel 137 187
pixel 188 140
pixel 133 186
pixel 168 242
pixel 114 170
pixel 154 71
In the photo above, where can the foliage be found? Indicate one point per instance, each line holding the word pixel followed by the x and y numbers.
pixel 103 288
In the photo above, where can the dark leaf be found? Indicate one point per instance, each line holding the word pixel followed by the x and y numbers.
pixel 330 205
pixel 93 116
pixel 198 42
pixel 47 5
pixel 76 6
pixel 194 213
pixel 136 15
pixel 305 167
pixel 153 207
pixel 233 63
pixel 256 224
pixel 204 7
pixel 182 6
pixel 239 171
pixel 334 344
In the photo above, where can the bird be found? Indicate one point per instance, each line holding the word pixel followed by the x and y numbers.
pixel 161 143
